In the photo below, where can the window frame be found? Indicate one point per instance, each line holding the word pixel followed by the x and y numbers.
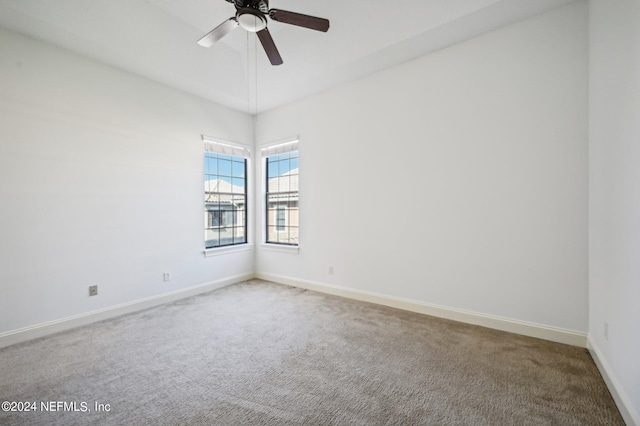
pixel 268 151
pixel 218 147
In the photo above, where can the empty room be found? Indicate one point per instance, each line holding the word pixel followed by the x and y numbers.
pixel 252 212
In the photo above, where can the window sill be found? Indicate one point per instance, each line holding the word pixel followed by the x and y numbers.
pixel 226 250
pixel 281 248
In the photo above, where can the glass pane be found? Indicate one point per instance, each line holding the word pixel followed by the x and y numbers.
pixel 293 235
pixel 284 167
pixel 273 200
pixel 273 168
pixel 281 219
pixel 293 217
pixel 283 184
pixel 240 218
pixel 283 236
pixel 211 205
pixel 239 201
pixel 293 183
pixel 228 218
pixel 272 185
pixel 224 167
pixel 207 192
pixel 294 164
pixel 209 196
pixel 237 169
pixel 238 186
pixel 211 165
pixel 226 235
pixel 271 217
pixel 272 235
pixel 211 238
pixel 239 235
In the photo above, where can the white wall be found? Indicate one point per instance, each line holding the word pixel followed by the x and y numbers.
pixel 458 179
pixel 614 195
pixel 100 183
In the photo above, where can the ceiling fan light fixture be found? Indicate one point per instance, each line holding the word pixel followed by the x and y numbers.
pixel 251 20
pixel 252 16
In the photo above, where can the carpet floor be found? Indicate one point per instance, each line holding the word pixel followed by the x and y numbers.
pixel 258 353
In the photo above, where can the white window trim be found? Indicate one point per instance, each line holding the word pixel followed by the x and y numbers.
pixel 216 251
pixel 282 248
pixel 279 147
pixel 222 146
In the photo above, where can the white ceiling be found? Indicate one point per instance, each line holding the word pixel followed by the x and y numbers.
pixel 157 40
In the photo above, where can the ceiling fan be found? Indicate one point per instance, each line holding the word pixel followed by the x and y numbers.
pixel 252 16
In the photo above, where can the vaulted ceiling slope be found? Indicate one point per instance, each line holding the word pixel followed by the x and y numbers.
pixel 156 39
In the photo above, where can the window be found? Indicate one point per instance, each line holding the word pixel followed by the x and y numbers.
pixel 281 196
pixel 225 194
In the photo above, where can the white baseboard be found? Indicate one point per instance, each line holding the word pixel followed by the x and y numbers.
pixel 44 329
pixel 569 337
pixel 629 414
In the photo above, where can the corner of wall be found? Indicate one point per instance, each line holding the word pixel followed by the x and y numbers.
pixel 629 414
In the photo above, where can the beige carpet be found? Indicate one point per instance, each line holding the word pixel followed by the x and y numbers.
pixel 259 353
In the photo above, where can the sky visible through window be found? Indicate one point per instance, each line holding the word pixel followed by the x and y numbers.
pixel 282 164
pixel 227 167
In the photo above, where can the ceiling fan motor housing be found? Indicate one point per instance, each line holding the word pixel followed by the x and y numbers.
pixel 261 5
pixel 251 19
pixel 252 16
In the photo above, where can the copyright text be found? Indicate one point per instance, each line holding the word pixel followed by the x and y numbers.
pixel 54 406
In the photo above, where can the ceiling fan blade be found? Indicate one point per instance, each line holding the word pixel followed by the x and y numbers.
pixel 218 32
pixel 269 47
pixel 306 21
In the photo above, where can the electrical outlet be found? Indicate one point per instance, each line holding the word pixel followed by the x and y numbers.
pixel 606 330
pixel 330 270
pixel 166 276
pixel 93 290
